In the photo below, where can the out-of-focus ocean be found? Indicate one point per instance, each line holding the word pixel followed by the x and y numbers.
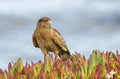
pixel 86 25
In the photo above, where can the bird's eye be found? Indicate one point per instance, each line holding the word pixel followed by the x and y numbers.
pixel 40 20
pixel 45 20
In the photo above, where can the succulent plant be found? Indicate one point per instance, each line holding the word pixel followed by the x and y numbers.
pixel 99 65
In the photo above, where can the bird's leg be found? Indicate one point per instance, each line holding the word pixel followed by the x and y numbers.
pixel 56 53
pixel 45 52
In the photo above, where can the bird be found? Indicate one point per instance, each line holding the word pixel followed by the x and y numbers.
pixel 48 39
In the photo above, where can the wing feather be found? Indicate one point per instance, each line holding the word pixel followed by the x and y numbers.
pixel 58 39
pixel 34 41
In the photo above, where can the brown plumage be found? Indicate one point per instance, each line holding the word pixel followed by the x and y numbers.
pixel 49 39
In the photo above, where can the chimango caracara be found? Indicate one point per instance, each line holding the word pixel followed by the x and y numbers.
pixel 48 39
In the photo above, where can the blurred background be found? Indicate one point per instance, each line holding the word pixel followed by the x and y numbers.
pixel 86 25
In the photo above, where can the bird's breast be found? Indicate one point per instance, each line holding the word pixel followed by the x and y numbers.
pixel 45 39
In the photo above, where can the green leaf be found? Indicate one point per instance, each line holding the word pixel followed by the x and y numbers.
pixel 118 76
pixel 4 76
pixel 48 64
pixel 20 66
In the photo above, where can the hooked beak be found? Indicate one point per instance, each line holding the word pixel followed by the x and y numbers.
pixel 49 21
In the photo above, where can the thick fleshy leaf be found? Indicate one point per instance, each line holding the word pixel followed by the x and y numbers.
pixel 100 65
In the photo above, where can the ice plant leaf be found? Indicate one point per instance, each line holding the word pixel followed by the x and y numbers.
pixel 20 67
pixel 99 65
pixel 48 64
pixel 118 76
pixel 4 76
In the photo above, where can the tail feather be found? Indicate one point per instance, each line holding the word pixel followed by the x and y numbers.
pixel 64 54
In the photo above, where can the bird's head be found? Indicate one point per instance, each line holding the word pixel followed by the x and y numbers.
pixel 44 22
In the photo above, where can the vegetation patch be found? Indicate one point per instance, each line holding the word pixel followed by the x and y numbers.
pixel 100 65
